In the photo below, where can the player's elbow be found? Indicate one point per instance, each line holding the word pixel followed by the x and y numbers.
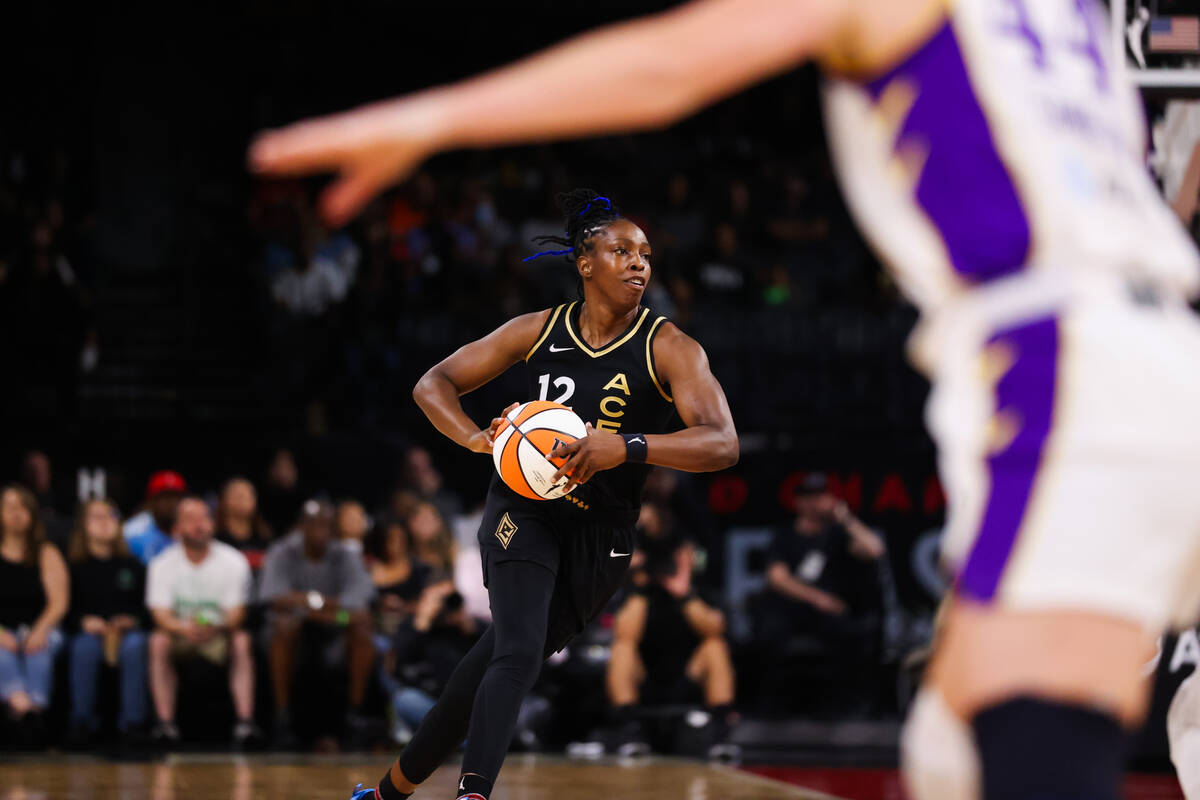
pixel 424 387
pixel 728 452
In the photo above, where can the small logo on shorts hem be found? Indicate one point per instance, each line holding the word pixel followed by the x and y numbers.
pixel 506 530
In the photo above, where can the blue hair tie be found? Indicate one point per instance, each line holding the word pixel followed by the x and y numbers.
pixel 607 204
pixel 566 252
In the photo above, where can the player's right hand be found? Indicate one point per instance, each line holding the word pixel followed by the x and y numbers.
pixel 482 442
pixel 369 148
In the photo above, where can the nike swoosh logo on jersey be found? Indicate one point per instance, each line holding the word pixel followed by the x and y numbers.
pixel 554 349
pixel 614 554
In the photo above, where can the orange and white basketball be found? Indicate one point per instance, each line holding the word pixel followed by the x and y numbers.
pixel 524 442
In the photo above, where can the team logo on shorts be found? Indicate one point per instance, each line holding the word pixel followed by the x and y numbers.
pixel 506 530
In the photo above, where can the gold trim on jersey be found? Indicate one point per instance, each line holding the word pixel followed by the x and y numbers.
pixel 545 332
pixel 609 348
pixel 650 361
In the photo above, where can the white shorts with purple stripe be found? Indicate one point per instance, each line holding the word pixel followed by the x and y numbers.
pixel 1069 446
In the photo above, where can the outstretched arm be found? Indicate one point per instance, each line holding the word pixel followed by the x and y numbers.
pixel 468 368
pixel 708 443
pixel 641 74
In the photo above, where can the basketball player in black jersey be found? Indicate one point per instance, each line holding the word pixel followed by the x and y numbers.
pixel 551 565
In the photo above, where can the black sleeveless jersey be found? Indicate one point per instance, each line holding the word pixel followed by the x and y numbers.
pixel 614 387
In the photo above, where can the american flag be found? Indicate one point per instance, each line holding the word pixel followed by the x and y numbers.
pixel 1175 34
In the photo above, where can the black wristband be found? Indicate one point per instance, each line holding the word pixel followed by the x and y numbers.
pixel 635 448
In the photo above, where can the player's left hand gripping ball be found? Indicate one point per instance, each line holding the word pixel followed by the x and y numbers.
pixel 583 458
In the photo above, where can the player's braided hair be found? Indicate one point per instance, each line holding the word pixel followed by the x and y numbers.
pixel 585 213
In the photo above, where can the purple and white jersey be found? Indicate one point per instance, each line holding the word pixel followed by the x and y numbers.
pixel 1005 144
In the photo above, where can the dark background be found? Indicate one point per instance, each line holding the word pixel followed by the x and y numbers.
pixel 136 123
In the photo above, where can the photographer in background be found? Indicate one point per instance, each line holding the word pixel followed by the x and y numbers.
pixel 669 644
pixel 823 582
pixel 428 645
pixel 814 566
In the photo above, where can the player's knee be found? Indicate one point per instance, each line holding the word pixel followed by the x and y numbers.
pixel 937 752
pixel 1030 747
pixel 521 659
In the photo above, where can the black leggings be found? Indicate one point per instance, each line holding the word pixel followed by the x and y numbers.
pixel 483 696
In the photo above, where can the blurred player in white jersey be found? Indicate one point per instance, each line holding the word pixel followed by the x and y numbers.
pixel 995 159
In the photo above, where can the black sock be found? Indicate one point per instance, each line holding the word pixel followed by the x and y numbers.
pixel 721 713
pixel 1035 748
pixel 388 791
pixel 474 787
pixel 622 715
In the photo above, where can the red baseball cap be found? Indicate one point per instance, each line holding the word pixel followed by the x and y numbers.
pixel 165 481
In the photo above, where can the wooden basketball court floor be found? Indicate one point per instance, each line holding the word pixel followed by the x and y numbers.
pixel 333 777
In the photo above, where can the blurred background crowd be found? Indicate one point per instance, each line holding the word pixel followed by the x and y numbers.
pixel 168 324
pixel 274 614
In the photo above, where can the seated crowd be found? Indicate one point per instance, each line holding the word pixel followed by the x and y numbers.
pixel 367 616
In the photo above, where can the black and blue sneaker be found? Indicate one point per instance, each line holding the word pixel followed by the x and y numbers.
pixel 364 794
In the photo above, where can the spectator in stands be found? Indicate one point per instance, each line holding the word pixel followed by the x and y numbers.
pixel 681 226
pixel 148 532
pixel 37 477
pixel 318 595
pixel 108 619
pixel 433 544
pixel 47 313
pixel 399 580
pixel 668 646
pixel 239 523
pixel 197 593
pixel 815 571
pixel 34 593
pixel 728 272
pixel 281 495
pixel 351 525
pixel 319 277
pixel 397 576
pixel 423 479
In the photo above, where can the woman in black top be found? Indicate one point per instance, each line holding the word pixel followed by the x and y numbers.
pixel 240 524
pixel 107 619
pixel 33 599
pixel 399 579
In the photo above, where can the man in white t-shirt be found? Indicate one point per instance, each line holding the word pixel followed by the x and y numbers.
pixel 197 590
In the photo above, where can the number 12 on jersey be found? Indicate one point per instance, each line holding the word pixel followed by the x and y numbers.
pixel 564 384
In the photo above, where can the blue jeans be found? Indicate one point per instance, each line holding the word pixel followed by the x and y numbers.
pixel 32 673
pixel 87 654
pixel 411 705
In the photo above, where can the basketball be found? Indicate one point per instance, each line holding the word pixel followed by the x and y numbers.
pixel 522 448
